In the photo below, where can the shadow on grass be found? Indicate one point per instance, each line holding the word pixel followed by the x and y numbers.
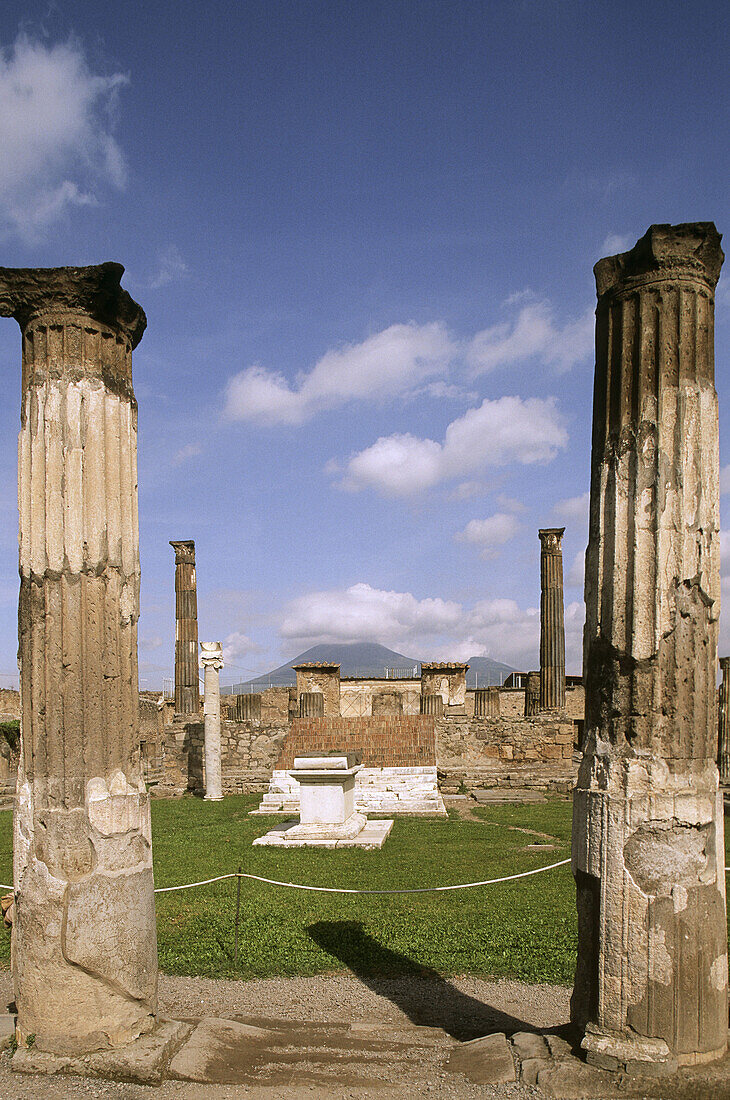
pixel 427 999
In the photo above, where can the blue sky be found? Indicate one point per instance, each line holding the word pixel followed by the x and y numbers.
pixel 363 234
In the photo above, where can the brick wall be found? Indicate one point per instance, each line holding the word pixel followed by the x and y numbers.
pixel 396 741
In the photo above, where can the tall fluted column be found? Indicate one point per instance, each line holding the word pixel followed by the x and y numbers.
pixel 723 724
pixel 211 658
pixel 84 951
pixel 187 690
pixel 648 853
pixel 552 624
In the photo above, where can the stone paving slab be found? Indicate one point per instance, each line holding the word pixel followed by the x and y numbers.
pixel 362 1056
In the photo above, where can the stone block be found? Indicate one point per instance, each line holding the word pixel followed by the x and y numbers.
pixel 485 1061
pixel 527 1044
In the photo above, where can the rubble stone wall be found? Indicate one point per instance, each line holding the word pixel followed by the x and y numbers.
pixel 539 752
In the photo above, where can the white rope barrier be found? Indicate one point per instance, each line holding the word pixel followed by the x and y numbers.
pixel 346 890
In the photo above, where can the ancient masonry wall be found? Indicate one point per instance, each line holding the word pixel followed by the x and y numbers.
pixel 539 752
pixel 249 752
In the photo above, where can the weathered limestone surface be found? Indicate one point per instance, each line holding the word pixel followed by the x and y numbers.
pixel 84 949
pixel 723 724
pixel 211 658
pixel 648 852
pixel 187 692
pixel 552 624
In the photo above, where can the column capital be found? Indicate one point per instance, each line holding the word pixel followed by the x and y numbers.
pixel 30 292
pixel 725 665
pixel 184 551
pixel 211 655
pixel 551 537
pixel 687 251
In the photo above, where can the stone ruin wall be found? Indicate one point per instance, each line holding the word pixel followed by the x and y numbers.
pixel 509 751
pixel 470 752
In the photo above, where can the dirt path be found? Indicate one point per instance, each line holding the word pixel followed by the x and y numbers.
pixel 341 1038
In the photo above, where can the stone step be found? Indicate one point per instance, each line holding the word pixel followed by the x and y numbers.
pixel 507 794
pixel 278 1052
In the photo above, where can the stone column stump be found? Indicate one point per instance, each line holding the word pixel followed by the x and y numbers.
pixel 84 949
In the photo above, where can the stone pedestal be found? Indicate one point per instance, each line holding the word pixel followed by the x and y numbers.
pixel 211 659
pixel 187 690
pixel 723 723
pixel 648 851
pixel 327 814
pixel 84 952
pixel 552 624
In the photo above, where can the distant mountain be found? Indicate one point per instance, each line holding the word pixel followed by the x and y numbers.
pixel 369 659
pixel 484 672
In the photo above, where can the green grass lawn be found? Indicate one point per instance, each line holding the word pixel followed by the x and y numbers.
pixel 524 929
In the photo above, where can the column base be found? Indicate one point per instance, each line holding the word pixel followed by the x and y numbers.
pixel 213 798
pixel 633 1054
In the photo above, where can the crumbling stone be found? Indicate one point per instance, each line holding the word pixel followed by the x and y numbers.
pixel 648 856
pixel 84 950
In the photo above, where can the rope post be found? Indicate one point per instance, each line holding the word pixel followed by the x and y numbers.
pixel 238 910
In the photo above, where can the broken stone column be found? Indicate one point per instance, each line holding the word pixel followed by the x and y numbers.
pixel 486 703
pixel 532 694
pixel 648 854
pixel 552 625
pixel 84 952
pixel 723 725
pixel 187 689
pixel 211 658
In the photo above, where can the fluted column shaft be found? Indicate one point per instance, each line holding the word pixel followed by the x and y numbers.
pixel 187 692
pixel 723 724
pixel 211 658
pixel 648 851
pixel 84 945
pixel 552 623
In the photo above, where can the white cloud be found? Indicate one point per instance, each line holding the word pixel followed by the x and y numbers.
pixel 153 642
pixel 389 364
pixel 576 573
pixel 490 534
pixel 497 433
pixel 190 450
pixel 574 508
pixel 170 267
pixel 430 628
pixel 238 645
pixel 615 243
pixel 55 134
pixel 533 334
pixel 362 613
